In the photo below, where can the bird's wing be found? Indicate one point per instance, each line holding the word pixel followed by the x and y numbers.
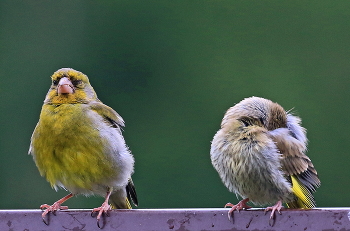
pixel 291 142
pixel 108 113
pixel 131 192
pixel 116 121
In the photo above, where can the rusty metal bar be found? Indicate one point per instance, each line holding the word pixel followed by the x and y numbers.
pixel 179 219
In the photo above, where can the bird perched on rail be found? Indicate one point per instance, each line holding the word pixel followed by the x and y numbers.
pixel 78 145
pixel 259 153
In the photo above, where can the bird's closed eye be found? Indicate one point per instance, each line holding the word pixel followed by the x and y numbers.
pixel 246 124
pixel 76 82
pixel 247 121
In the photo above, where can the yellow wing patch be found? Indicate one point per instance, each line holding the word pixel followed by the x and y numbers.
pixel 305 199
pixel 127 202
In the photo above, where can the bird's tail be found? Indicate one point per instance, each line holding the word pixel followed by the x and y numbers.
pixel 121 199
pixel 304 196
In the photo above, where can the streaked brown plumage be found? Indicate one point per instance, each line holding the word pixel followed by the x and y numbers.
pixel 259 153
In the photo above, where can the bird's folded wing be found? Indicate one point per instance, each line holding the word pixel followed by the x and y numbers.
pixel 293 160
pixel 131 192
pixel 108 113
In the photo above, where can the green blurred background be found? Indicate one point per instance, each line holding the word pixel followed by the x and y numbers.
pixel 172 69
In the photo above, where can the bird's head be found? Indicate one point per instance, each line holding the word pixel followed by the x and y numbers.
pixel 70 86
pixel 258 112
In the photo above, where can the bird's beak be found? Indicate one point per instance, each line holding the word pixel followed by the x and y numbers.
pixel 65 86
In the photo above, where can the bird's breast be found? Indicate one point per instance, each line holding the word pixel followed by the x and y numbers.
pixel 73 146
pixel 249 167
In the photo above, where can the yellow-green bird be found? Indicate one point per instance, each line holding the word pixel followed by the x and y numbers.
pixel 78 145
pixel 259 153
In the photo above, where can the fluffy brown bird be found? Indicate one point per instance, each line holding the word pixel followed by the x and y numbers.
pixel 259 153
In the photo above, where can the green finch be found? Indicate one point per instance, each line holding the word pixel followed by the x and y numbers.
pixel 259 153
pixel 78 145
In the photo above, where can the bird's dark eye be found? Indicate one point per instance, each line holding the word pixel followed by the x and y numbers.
pixel 55 82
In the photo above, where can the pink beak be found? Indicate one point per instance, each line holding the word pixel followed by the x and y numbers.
pixel 65 86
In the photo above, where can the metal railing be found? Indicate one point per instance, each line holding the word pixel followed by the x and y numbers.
pixel 179 219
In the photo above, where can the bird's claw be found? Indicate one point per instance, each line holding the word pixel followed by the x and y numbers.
pixel 241 205
pixel 45 221
pixel 278 206
pixel 230 213
pixel 104 209
pixel 98 224
pixel 51 208
pixel 98 220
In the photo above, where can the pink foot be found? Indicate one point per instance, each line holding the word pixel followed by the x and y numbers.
pixel 278 206
pixel 53 208
pixel 105 208
pixel 241 205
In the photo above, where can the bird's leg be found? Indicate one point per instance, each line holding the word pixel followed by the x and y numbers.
pixel 278 206
pixel 104 208
pixel 241 205
pixel 53 208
